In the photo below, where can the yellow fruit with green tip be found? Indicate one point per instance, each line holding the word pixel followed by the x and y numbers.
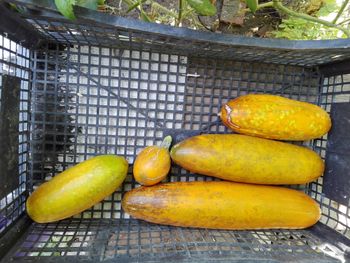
pixel 77 188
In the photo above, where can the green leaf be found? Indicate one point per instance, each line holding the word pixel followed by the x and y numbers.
pixel 66 8
pixel 91 4
pixel 14 7
pixel 252 4
pixel 298 28
pixel 101 2
pixel 327 8
pixel 203 7
pixel 132 7
pixel 145 17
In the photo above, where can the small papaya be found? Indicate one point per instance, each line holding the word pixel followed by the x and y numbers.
pixel 275 117
pixel 77 188
pixel 153 163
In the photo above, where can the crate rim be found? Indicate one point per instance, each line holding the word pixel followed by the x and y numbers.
pixel 84 14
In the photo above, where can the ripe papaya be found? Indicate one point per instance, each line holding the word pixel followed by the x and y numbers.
pixel 247 159
pixel 222 205
pixel 77 188
pixel 275 117
pixel 153 163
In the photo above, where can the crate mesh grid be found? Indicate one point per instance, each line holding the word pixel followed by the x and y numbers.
pixel 117 90
pixel 15 61
pixel 335 89
pixel 77 93
pixel 123 239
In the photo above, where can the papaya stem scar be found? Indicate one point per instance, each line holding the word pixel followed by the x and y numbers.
pixel 228 112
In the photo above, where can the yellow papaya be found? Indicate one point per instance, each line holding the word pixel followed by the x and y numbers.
pixel 153 163
pixel 77 188
pixel 247 159
pixel 222 205
pixel 275 117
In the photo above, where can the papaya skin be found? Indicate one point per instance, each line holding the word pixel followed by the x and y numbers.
pixel 77 188
pixel 222 205
pixel 153 163
pixel 275 117
pixel 247 159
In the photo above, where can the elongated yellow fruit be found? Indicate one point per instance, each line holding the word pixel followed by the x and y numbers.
pixel 275 117
pixel 247 159
pixel 77 188
pixel 222 205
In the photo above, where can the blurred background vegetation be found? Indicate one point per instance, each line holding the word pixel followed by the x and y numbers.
pixel 288 19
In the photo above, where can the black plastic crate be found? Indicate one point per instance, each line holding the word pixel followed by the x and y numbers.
pixel 103 84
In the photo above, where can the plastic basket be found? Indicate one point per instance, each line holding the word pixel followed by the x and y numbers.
pixel 103 84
